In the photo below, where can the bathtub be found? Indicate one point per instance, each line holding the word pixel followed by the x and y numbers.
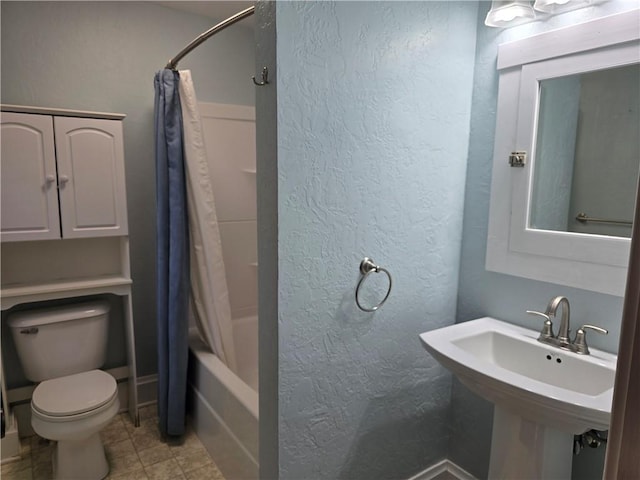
pixel 223 405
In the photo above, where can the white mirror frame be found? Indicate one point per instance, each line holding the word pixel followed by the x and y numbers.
pixel 592 262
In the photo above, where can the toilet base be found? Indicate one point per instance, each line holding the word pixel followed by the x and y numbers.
pixel 84 459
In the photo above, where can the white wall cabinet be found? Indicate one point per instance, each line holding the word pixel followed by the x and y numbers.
pixel 62 177
pixel 515 246
pixel 29 178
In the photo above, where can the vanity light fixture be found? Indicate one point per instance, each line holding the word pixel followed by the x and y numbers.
pixel 551 6
pixel 561 6
pixel 509 13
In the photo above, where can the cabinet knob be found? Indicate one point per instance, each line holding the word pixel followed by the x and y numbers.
pixel 63 179
pixel 50 178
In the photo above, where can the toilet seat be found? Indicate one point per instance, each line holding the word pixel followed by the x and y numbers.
pixel 73 396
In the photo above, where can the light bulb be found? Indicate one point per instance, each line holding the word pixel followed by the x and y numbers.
pixel 509 13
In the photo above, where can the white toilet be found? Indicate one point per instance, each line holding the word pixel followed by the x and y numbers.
pixel 62 347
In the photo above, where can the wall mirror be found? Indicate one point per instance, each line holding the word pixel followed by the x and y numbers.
pixel 587 152
pixel 569 98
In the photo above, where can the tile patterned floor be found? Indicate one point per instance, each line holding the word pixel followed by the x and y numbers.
pixel 133 454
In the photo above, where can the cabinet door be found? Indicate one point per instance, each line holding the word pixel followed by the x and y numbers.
pixel 29 194
pixel 91 177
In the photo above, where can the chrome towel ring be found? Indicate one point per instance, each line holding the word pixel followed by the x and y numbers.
pixel 367 267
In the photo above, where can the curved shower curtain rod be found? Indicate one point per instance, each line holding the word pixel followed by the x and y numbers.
pixel 173 63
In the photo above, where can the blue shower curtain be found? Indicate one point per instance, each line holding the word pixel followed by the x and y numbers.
pixel 172 257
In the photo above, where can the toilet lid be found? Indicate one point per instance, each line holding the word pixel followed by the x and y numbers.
pixel 74 394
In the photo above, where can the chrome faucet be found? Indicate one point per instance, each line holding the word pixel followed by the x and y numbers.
pixel 552 309
pixel 562 340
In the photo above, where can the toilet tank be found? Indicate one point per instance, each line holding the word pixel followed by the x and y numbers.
pixel 59 341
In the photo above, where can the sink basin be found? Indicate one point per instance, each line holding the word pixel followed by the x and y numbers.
pixel 542 395
pixel 506 365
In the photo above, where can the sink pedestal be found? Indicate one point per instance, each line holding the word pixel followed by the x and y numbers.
pixel 524 449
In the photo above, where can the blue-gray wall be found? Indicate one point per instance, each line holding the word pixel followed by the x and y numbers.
pixel 102 56
pixel 373 106
pixel 483 293
pixel 267 193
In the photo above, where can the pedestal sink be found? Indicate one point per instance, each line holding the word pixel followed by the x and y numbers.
pixel 542 395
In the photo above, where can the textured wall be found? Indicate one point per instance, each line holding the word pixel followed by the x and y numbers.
pixel 506 297
pixel 102 56
pixel 373 121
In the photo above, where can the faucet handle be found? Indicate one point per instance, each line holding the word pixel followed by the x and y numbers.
pixel 547 328
pixel 580 343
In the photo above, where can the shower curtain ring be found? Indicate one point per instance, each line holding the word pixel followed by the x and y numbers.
pixel 265 77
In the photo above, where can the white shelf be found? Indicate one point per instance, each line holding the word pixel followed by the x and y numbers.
pixel 14 294
pixel 61 112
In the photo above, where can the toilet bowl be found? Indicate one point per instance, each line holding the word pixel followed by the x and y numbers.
pixel 72 410
pixel 61 348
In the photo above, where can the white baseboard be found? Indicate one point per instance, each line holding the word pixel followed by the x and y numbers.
pixel 443 466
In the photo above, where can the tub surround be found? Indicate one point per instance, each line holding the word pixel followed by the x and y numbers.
pixel 223 408
pixel 229 131
pixel 223 404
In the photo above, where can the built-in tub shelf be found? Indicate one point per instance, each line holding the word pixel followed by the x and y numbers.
pixel 12 295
